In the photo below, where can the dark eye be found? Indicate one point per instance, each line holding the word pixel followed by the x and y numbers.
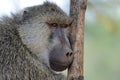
pixel 64 25
pixel 54 25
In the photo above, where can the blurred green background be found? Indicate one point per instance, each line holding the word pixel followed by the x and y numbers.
pixel 102 40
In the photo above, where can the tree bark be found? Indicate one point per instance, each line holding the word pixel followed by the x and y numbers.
pixel 77 12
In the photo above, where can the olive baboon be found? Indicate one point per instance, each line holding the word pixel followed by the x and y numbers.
pixel 35 45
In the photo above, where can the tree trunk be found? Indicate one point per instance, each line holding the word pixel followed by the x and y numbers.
pixel 77 12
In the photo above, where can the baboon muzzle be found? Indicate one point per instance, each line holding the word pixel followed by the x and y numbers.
pixel 61 55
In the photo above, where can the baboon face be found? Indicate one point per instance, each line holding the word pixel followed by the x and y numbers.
pixel 45 31
pixel 60 56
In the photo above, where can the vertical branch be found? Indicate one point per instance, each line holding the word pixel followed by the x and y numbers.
pixel 77 12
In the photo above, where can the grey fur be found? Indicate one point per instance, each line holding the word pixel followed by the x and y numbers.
pixel 17 60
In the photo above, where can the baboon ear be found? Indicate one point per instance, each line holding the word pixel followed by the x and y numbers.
pixel 26 15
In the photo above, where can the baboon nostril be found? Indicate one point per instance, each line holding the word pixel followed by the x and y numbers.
pixel 70 53
pixel 67 54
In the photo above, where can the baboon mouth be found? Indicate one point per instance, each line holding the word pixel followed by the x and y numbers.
pixel 58 66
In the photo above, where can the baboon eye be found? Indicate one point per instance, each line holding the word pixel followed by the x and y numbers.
pixel 54 25
pixel 64 25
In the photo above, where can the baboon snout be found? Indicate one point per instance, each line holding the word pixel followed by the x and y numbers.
pixel 60 58
pixel 61 55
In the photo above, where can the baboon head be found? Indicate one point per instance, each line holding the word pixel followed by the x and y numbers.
pixel 45 32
